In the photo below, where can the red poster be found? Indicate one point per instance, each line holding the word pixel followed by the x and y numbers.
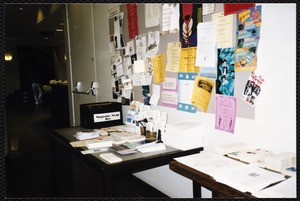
pixel 132 18
pixel 230 8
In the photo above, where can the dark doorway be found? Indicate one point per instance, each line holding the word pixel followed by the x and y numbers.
pixel 39 57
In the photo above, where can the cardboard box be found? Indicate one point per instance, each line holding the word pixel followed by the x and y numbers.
pixel 184 136
pixel 100 115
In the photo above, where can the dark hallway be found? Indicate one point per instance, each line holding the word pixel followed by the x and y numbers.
pixel 38 167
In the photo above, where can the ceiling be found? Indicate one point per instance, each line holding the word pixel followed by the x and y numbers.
pixel 34 22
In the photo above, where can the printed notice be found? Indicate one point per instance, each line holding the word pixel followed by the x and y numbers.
pixel 173 54
pixel 225 113
pixel 158 64
pixel 202 92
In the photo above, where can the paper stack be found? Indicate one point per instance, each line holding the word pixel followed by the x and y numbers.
pixel 229 148
pixel 84 135
pixel 184 136
pixel 253 156
pixel 280 161
pixel 100 144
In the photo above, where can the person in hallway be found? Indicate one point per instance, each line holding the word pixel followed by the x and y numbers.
pixel 36 81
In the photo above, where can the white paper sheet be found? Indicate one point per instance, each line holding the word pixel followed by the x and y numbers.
pixel 206 44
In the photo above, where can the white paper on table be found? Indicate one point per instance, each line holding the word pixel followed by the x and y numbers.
pixel 249 178
pixel 209 163
pixel 284 189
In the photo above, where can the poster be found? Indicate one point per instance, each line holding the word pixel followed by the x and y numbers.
pixel 252 88
pixel 190 16
pixel 185 91
pixel 225 72
pixel 132 18
pixel 202 92
pixel 248 35
pixel 225 113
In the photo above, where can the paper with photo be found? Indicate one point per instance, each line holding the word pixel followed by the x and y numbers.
pixel 253 88
pixel 118 31
pixel 225 113
pixel 206 46
pixel 153 43
pixel 173 56
pixel 152 15
pixel 185 92
pixel 202 92
pixel 141 46
pixel 127 84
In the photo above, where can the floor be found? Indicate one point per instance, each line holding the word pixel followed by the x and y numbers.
pixel 36 168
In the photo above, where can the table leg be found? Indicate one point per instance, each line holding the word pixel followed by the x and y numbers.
pixel 196 190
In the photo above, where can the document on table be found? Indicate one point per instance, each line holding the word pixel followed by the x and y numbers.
pixel 248 178
pixel 285 189
pixel 209 163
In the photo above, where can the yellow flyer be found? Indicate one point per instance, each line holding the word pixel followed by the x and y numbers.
pixel 188 59
pixel 158 64
pixel 202 92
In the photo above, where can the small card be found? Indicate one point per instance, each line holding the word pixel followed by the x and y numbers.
pixel 111 158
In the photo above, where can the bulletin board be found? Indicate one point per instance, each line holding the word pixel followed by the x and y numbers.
pixel 243 109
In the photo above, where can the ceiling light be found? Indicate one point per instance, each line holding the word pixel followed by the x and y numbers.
pixel 59 30
pixel 8 57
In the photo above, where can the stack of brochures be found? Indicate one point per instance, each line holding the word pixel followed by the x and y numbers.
pixel 100 144
pixel 89 134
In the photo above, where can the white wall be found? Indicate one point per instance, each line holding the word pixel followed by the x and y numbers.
pixel 274 127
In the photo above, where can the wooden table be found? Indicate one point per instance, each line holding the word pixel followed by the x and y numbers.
pixel 131 163
pixel 203 180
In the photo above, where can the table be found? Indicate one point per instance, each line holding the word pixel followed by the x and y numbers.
pixel 131 163
pixel 203 180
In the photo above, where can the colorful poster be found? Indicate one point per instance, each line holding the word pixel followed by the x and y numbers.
pixel 202 92
pixel 252 88
pixel 232 8
pixel 185 91
pixel 225 72
pixel 225 113
pixel 190 16
pixel 248 35
pixel 132 18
